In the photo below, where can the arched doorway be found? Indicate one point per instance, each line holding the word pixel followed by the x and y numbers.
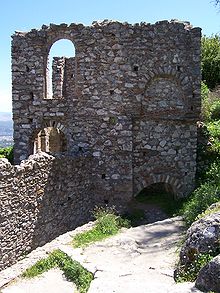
pixel 153 203
pixel 50 140
pixel 160 189
pixel 60 68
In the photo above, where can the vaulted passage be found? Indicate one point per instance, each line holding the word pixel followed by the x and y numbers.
pixel 50 140
pixel 158 189
pixel 154 203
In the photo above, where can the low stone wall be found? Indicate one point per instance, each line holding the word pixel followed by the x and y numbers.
pixel 40 199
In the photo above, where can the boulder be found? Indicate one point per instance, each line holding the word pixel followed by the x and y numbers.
pixel 202 237
pixel 209 276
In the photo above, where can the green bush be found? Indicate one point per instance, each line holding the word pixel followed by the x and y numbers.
pixel 107 224
pixel 211 61
pixel 7 153
pixel 72 269
pixel 207 194
pixel 206 103
pixel 213 128
pixel 215 110
pixel 213 174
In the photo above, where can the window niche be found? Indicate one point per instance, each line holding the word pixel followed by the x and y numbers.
pixel 50 140
pixel 60 69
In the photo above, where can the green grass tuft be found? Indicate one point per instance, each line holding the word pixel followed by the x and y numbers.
pixel 107 224
pixel 72 269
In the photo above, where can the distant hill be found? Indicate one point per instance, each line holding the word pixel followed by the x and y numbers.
pixel 6 129
pixel 5 116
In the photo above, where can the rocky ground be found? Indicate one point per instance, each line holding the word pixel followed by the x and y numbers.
pixel 139 259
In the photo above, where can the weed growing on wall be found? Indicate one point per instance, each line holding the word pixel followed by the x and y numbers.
pixel 72 269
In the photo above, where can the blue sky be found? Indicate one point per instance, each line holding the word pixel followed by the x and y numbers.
pixel 23 15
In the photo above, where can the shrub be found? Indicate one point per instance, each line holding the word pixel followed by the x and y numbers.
pixel 215 110
pixel 7 153
pixel 107 224
pixel 214 136
pixel 211 60
pixel 205 106
pixel 207 194
pixel 213 174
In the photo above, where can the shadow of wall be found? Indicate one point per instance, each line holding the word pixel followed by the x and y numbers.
pixel 41 199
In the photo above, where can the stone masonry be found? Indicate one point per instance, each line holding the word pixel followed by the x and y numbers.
pixel 40 199
pixel 119 116
pixel 130 97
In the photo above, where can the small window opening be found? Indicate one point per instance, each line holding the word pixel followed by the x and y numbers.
pixel 111 92
pixel 103 176
pixel 178 68
pixel 192 108
pixel 135 68
pixel 106 201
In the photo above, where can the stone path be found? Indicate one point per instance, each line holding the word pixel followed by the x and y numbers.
pixel 51 281
pixel 139 259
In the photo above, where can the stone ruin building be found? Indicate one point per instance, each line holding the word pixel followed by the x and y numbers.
pixel 121 117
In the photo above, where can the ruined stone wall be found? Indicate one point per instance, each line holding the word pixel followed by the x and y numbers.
pixel 58 73
pixel 39 200
pixel 122 116
pixel 124 81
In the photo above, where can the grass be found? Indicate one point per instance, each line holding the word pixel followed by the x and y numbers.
pixel 107 224
pixel 72 269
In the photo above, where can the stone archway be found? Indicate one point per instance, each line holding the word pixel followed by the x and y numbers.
pixel 50 140
pixel 50 136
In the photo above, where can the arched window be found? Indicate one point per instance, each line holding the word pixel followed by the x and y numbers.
pixel 60 68
pixel 50 140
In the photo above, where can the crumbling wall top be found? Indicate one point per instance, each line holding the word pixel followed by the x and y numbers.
pixel 174 23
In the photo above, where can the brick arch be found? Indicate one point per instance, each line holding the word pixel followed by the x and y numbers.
pixel 170 72
pixel 55 124
pixel 172 181
pixel 177 87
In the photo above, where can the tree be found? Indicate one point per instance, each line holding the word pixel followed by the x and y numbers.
pixel 211 60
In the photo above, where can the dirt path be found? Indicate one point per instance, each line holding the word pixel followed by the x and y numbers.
pixel 138 260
